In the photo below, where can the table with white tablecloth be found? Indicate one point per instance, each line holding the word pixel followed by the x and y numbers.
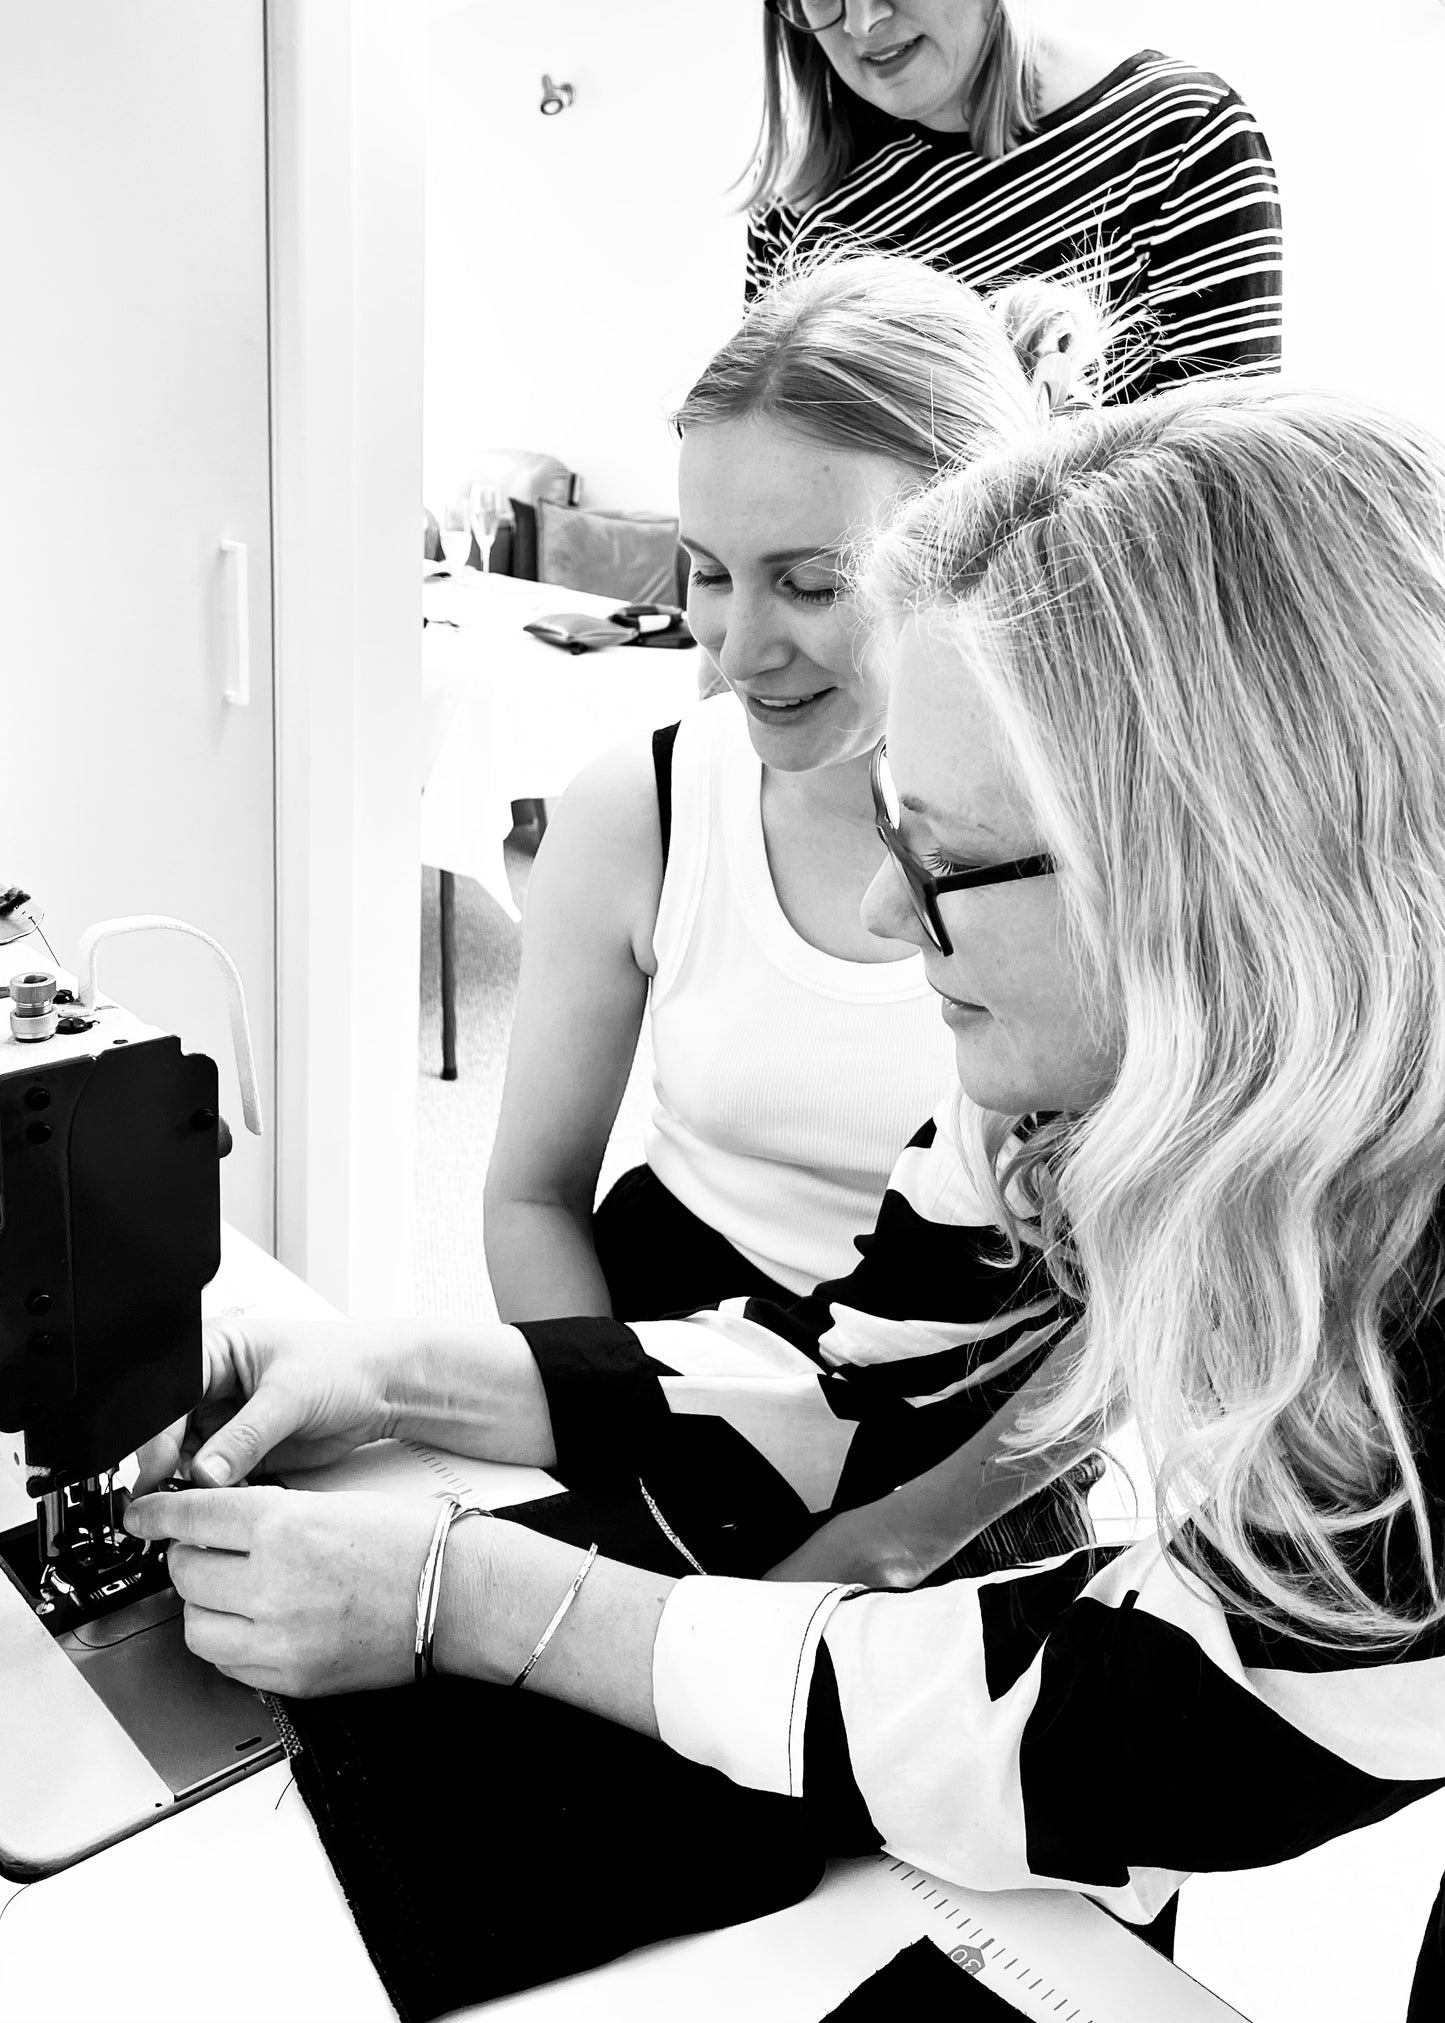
pixel 508 717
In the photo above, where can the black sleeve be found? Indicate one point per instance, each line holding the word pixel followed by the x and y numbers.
pixel 606 1408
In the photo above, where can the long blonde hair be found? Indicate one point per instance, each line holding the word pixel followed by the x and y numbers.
pixel 1213 629
pixel 815 131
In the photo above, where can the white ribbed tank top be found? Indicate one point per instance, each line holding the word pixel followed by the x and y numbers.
pixel 785 1081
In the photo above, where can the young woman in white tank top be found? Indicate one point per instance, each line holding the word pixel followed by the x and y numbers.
pixel 785 1078
pixel 794 1052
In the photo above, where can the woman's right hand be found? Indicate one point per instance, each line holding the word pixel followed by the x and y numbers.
pixel 297 1393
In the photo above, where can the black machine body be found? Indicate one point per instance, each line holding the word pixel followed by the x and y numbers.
pixel 110 1228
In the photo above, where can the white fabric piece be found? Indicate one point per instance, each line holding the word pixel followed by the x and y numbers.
pixel 784 1079
pixel 1018 1352
pixel 731 1669
pixel 719 1342
pixel 857 1337
pixel 764 1388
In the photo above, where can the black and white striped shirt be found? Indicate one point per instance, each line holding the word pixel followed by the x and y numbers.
pixel 1095 1719
pixel 1156 186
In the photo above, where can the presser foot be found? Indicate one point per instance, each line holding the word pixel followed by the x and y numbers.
pixel 93 1577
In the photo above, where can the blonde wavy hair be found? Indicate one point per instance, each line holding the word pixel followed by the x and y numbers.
pixel 815 131
pixel 1212 627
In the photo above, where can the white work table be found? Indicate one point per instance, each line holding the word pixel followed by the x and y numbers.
pixel 507 717
pixel 230 1910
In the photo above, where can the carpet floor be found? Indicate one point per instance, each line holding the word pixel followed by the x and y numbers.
pixel 457 1121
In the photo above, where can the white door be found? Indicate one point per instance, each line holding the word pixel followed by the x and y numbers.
pixel 134 440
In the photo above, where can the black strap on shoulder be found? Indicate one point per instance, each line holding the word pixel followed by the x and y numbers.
pixel 662 744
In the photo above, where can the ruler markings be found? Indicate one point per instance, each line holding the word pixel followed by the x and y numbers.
pixel 976 1934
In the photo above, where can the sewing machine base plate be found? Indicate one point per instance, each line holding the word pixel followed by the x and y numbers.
pixel 110 1727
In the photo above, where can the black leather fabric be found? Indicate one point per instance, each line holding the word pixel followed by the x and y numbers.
pixel 488 1840
pixel 922 1981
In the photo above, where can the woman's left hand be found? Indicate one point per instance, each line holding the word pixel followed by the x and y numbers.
pixel 295 1592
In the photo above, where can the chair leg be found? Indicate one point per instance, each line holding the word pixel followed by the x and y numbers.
pixel 448 894
pixel 529 814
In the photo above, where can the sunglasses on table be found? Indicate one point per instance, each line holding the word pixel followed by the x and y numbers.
pixel 922 885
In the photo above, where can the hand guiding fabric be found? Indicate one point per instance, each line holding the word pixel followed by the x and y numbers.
pixel 293 1592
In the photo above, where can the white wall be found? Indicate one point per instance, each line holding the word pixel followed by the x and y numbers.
pixel 542 331
pixel 1349 100
pixel 346 140
pixel 581 269
pixel 134 425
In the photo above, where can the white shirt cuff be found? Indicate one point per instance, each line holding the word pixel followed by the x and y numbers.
pixel 731 1671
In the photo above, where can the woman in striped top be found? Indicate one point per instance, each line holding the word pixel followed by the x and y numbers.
pixel 947 129
pixel 1167 802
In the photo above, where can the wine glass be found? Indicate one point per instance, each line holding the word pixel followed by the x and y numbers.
pixel 486 517
pixel 456 535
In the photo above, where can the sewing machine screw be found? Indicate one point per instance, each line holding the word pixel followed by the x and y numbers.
pixel 37 1099
pixel 37 1134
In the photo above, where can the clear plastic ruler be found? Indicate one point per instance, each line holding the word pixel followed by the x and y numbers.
pixel 1055 1956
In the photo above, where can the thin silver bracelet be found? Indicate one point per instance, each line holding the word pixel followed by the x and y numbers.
pixel 562 1608
pixel 429 1587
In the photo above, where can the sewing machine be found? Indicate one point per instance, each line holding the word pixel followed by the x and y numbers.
pixel 110 1141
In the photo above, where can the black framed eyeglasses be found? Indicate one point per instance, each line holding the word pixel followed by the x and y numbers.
pixel 811 16
pixel 921 884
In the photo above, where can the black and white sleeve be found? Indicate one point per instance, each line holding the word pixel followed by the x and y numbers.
pixel 1096 1723
pixel 834 1398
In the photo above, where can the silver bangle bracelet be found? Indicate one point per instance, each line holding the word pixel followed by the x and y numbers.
pixel 562 1608
pixel 429 1586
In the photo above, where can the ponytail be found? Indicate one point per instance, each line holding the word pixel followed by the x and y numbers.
pixel 1059 335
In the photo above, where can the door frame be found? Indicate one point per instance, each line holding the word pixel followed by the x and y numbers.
pixel 345 177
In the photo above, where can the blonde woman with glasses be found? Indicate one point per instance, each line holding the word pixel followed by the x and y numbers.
pixel 995 145
pixel 1165 782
